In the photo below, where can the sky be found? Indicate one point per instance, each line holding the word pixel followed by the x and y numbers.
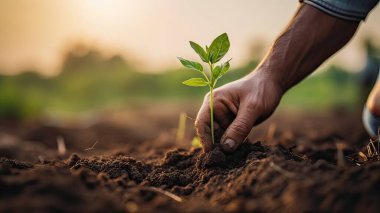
pixel 36 34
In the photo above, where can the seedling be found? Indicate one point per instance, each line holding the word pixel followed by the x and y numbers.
pixel 181 130
pixel 213 54
pixel 196 142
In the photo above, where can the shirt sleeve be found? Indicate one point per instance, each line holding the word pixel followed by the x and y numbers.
pixel 352 10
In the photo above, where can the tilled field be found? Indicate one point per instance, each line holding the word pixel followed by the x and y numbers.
pixel 292 163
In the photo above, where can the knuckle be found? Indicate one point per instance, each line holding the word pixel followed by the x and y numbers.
pixel 218 94
pixel 254 105
pixel 198 124
pixel 240 128
pixel 236 133
pixel 218 105
pixel 243 122
pixel 201 126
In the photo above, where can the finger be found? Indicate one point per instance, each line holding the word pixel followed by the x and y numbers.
pixel 202 125
pixel 223 117
pixel 223 113
pixel 239 129
pixel 218 132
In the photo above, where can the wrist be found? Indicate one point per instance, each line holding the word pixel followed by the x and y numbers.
pixel 268 79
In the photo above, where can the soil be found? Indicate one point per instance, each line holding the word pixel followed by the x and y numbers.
pixel 289 164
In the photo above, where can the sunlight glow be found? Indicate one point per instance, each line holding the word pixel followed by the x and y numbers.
pixel 35 34
pixel 103 8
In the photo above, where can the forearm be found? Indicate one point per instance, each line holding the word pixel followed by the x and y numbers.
pixel 311 37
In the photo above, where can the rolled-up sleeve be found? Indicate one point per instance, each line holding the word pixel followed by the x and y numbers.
pixel 352 10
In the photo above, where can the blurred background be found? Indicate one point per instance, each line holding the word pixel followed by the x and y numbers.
pixel 101 77
pixel 73 60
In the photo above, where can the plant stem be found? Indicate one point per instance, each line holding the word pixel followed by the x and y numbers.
pixel 212 113
pixel 212 103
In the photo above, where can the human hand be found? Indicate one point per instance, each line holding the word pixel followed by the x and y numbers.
pixel 238 106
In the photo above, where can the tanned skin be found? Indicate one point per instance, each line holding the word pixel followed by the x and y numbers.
pixel 310 38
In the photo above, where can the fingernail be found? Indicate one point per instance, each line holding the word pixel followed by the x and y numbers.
pixel 229 144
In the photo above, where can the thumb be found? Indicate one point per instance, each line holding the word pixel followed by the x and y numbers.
pixel 239 129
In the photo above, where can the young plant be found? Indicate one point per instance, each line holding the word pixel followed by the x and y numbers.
pixel 217 50
pixel 196 142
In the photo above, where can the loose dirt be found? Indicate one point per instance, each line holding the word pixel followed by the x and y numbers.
pixel 294 168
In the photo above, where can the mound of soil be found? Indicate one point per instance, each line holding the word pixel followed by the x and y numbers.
pixel 291 175
pixel 254 178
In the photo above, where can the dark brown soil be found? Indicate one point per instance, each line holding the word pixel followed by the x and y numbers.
pixel 292 169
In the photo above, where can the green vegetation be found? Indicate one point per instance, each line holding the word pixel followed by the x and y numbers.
pixel 91 81
pixel 217 50
pixel 333 87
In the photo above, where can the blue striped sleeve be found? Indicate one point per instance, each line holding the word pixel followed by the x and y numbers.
pixel 352 10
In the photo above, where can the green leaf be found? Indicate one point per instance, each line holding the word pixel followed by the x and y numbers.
pixel 196 82
pixel 218 48
pixel 219 71
pixel 200 51
pixel 216 72
pixel 191 64
pixel 225 68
